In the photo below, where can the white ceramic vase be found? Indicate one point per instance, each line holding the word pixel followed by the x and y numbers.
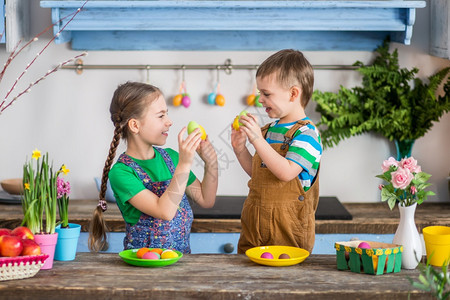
pixel 408 236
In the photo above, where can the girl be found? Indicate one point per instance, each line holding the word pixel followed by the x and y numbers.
pixel 150 183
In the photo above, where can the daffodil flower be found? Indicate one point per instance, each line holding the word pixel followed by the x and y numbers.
pixel 64 169
pixel 36 154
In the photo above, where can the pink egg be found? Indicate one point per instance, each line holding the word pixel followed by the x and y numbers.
pixel 364 245
pixel 150 255
pixel 186 101
pixel 267 255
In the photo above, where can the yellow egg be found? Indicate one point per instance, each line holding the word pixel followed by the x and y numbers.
pixel 177 100
pixel 168 254
pixel 236 123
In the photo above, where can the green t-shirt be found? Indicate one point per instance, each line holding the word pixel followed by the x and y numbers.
pixel 126 183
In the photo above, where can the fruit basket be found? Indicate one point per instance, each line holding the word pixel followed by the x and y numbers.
pixel 381 258
pixel 21 266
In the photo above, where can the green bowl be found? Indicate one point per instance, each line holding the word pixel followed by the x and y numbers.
pixel 129 256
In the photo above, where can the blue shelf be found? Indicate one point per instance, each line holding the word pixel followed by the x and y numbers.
pixel 234 25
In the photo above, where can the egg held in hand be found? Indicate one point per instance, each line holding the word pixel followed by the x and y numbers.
pixel 236 123
pixel 194 125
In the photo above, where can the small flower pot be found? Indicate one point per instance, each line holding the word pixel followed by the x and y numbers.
pixel 66 248
pixel 437 244
pixel 47 242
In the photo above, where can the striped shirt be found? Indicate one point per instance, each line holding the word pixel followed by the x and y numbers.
pixel 305 149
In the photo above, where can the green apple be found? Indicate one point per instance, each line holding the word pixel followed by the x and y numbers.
pixel 194 125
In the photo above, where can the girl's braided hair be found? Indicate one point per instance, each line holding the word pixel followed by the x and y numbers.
pixel 129 101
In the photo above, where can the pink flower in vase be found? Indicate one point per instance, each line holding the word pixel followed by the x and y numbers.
pixel 401 178
pixel 411 164
pixel 388 163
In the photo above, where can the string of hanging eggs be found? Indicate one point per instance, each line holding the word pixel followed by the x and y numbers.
pixel 215 97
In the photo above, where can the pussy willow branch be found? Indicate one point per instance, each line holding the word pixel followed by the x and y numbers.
pixel 14 55
pixel 42 78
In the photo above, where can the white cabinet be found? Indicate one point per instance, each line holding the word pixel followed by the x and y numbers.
pixel 440 28
pixel 16 22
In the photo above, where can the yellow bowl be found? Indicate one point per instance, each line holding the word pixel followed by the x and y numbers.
pixel 297 255
pixel 12 186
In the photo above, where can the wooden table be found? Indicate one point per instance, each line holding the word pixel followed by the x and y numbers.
pixel 207 276
pixel 367 218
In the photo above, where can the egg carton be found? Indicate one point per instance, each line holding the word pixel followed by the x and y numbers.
pixel 21 266
pixel 380 259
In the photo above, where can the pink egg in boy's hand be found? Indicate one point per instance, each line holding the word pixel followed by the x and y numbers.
pixel 364 245
pixel 267 255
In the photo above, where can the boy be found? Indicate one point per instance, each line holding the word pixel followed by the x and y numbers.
pixel 284 171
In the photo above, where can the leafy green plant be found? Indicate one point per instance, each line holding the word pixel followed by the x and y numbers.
pixel 434 281
pixel 385 104
pixel 40 194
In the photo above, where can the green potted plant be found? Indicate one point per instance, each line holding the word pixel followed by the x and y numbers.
pixel 68 233
pixel 39 202
pixel 386 104
pixel 434 281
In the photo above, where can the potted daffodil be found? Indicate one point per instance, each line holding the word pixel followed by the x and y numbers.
pixel 39 202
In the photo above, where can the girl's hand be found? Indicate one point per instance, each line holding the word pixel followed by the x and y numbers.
pixel 207 152
pixel 250 127
pixel 187 147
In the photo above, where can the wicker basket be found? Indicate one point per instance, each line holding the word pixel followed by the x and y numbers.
pixel 21 266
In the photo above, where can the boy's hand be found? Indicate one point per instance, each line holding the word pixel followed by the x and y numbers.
pixel 187 147
pixel 251 127
pixel 238 139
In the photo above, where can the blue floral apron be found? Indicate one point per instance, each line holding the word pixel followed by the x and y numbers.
pixel 156 233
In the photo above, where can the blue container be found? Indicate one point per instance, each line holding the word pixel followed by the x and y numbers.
pixel 66 247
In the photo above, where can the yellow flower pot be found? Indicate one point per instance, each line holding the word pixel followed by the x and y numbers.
pixel 437 244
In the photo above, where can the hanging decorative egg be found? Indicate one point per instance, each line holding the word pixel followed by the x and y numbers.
pixel 186 100
pixel 177 100
pixel 251 99
pixel 257 103
pixel 212 98
pixel 220 100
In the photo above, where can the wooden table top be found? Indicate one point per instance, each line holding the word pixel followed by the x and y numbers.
pixel 367 218
pixel 207 276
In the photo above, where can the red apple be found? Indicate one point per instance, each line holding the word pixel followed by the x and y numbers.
pixel 10 245
pixel 23 233
pixel 30 247
pixel 5 231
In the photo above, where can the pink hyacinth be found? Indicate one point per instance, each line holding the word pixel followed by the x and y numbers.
pixel 401 178
pixel 411 164
pixel 388 163
pixel 63 187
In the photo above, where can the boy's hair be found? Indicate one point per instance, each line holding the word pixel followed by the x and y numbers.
pixel 291 68
pixel 130 101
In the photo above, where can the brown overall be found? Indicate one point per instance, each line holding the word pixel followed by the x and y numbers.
pixel 277 212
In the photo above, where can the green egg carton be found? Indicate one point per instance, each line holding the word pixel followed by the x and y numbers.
pixel 381 258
